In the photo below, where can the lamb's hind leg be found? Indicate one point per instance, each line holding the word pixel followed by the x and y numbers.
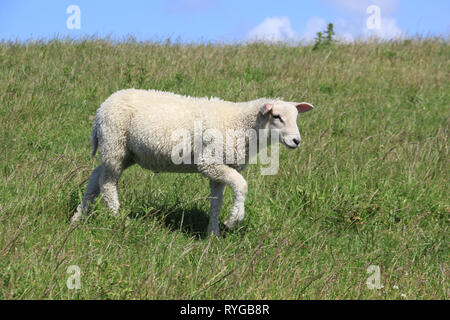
pixel 92 191
pixel 108 182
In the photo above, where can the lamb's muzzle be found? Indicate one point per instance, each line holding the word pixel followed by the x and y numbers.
pixel 135 127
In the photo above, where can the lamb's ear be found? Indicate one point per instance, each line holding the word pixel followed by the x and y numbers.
pixel 265 108
pixel 304 107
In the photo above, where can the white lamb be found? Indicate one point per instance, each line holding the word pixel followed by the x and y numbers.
pixel 136 126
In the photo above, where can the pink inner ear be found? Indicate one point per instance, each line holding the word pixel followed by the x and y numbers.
pixel 304 107
pixel 265 108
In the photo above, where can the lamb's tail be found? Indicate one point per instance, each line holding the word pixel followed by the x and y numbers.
pixel 94 139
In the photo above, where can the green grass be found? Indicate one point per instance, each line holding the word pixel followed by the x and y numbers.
pixel 368 187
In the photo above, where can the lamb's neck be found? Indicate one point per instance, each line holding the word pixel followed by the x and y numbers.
pixel 248 117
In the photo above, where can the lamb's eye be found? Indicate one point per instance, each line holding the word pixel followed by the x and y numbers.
pixel 277 117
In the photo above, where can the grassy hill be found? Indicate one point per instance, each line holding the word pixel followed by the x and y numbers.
pixel 369 186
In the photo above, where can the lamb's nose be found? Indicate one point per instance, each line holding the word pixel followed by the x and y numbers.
pixel 296 141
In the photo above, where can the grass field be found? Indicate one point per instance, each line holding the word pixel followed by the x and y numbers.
pixel 369 186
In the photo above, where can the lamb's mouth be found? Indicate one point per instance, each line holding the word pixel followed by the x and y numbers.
pixel 291 143
pixel 291 146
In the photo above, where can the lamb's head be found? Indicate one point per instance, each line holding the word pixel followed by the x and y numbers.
pixel 282 116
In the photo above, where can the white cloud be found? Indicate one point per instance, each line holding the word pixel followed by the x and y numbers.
pixel 272 29
pixel 344 31
pixel 342 28
pixel 313 25
pixel 388 30
pixel 350 30
pixel 354 24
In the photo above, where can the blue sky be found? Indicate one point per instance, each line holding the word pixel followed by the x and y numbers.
pixel 222 20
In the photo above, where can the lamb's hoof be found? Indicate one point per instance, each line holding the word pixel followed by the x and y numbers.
pixel 230 225
pixel 115 215
pixel 214 232
pixel 77 215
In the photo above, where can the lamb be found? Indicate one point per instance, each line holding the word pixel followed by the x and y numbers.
pixel 137 127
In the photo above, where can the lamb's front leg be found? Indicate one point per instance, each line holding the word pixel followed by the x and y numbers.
pixel 225 174
pixel 240 188
pixel 216 198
